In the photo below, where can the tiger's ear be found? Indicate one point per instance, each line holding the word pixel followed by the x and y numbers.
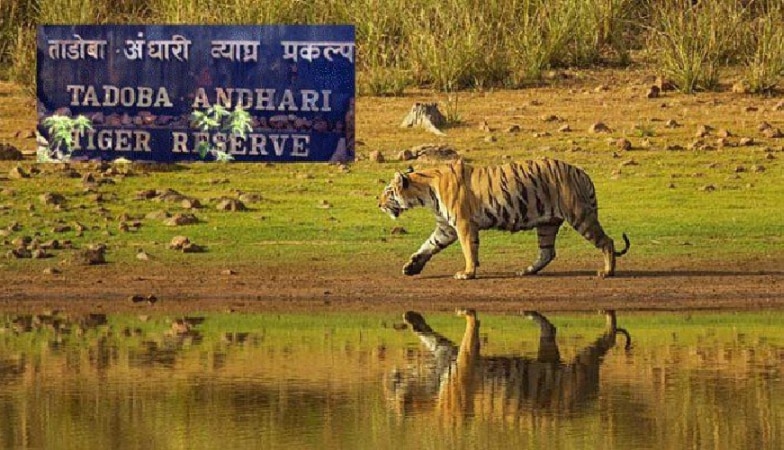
pixel 402 180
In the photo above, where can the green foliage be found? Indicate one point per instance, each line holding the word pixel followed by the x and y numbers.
pixel 765 52
pixel 218 118
pixel 692 42
pixel 61 130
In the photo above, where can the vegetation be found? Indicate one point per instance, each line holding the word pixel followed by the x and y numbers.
pixel 457 44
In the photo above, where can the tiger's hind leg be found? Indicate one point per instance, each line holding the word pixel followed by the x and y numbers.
pixel 546 235
pixel 593 232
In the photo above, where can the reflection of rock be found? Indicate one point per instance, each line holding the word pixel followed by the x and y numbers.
pixel 462 383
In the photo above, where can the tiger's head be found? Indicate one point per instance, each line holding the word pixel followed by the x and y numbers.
pixel 402 193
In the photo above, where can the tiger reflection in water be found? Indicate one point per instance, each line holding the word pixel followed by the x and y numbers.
pixel 459 382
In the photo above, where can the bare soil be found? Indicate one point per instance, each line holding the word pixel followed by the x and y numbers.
pixel 321 287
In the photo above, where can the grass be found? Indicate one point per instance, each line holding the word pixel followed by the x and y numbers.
pixel 328 213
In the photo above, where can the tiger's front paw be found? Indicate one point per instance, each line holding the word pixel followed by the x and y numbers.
pixel 414 266
pixel 463 275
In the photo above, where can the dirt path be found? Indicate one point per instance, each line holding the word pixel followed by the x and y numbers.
pixel 751 285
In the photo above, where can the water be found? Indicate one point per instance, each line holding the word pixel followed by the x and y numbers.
pixel 357 382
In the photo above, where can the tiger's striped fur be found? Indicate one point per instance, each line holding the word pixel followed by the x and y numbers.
pixel 539 194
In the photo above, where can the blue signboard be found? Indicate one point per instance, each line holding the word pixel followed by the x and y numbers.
pixel 140 85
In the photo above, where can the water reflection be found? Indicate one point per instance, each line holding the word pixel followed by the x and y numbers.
pixel 463 383
pixel 287 381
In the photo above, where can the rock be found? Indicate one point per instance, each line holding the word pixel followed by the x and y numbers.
pixel 141 255
pixel 181 219
pixel 764 126
pixel 664 84
pixel 228 272
pixel 249 197
pixel 746 142
pixel 192 248
pixel 483 126
pixel 703 130
pixel 190 203
pixel 178 242
pixel 653 92
pixel 427 116
pixel 157 215
pixel 757 168
pixel 429 153
pixel 599 127
pixel 17 173
pixel 672 124
pixel 565 128
pixel 779 106
pixel 324 204
pixel 513 129
pixel 231 204
pixel 10 153
pixel 52 271
pixel 490 139
pixel 550 118
pixel 398 231
pixel 93 255
pixel 708 188
pixel 623 144
pixel 376 156
pixel 723 133
pixel 772 133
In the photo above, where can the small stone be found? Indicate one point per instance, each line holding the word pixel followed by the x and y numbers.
pixel 141 255
pixel 192 248
pixel 746 141
pixel 513 129
pixel 565 128
pixel 490 139
pixel 672 124
pixel 750 108
pixel 740 169
pixel 376 156
pixel 93 255
pixel 757 168
pixel 190 203
pixel 17 173
pixel 324 204
pixel 398 231
pixel 623 144
pixel 653 92
pixel 723 133
pixel 779 106
pixel 484 126
pixel 764 126
pixel 772 133
pixel 178 242
pixel 664 84
pixel 703 130
pixel 550 118
pixel 181 219
pixel 708 188
pixel 599 127
pixel 51 271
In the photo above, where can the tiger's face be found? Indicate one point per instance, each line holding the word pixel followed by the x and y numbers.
pixel 392 200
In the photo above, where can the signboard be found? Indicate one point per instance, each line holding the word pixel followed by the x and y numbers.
pixel 140 84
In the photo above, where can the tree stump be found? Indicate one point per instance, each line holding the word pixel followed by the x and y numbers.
pixel 427 116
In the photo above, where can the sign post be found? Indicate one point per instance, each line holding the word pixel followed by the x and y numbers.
pixel 140 84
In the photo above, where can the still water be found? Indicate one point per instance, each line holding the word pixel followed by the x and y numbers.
pixel 433 380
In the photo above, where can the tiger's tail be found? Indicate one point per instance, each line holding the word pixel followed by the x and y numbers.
pixel 626 248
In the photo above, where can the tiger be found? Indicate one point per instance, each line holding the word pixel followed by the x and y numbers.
pixel 539 194
pixel 458 381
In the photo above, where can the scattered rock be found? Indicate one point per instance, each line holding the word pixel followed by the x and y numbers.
pixel 178 242
pixel 653 92
pixel 565 128
pixel 746 142
pixel 513 128
pixel 181 219
pixel 779 106
pixel 17 173
pixel 142 255
pixel 93 255
pixel 190 203
pixel 376 156
pixel 772 133
pixel 623 144
pixel 664 84
pixel 324 204
pixel 550 118
pixel 757 168
pixel 228 272
pixel 429 153
pixel 398 231
pixel 750 108
pixel 10 153
pixel 52 271
pixel 157 215
pixel 599 127
pixel 708 188
pixel 764 126
pixel 723 133
pixel 484 126
pixel 490 139
pixel 230 204
pixel 192 248
pixel 703 130
pixel 672 124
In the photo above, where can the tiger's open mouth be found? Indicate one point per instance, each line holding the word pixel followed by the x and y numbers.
pixel 393 211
